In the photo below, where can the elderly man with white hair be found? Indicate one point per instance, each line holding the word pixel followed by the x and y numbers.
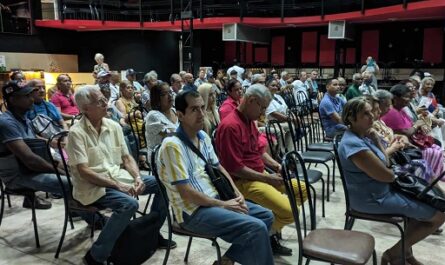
pixel 239 153
pixel 104 174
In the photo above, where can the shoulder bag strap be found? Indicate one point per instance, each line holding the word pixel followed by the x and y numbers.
pixel 188 143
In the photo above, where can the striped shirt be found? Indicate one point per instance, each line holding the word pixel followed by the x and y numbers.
pixel 178 164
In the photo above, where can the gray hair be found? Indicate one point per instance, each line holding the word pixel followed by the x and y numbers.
pixel 382 95
pixel 258 90
pixel 255 78
pixel 152 75
pixel 283 74
pixel 98 56
pixel 82 97
pixel 427 78
pixel 356 76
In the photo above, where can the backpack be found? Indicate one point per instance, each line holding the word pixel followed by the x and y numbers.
pixel 138 242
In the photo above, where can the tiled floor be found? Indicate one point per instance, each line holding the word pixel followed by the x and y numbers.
pixel 17 244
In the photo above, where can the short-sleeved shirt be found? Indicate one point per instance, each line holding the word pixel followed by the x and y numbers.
pixel 369 195
pixel 178 164
pixel 227 107
pixel 353 92
pixel 46 108
pixel 397 120
pixel 12 128
pixel 237 144
pixel 328 106
pixel 277 104
pixel 66 103
pixel 101 152
pixel 155 123
pixel 313 84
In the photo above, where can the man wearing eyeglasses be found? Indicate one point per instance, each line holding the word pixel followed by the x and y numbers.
pixel 245 160
pixel 63 98
pixel 104 174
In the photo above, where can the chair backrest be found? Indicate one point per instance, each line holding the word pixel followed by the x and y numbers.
pixel 275 131
pixel 59 137
pixel 289 98
pixel 337 140
pixel 298 130
pixel 138 133
pixel 154 167
pixel 292 166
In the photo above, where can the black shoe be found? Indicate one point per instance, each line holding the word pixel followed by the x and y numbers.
pixel 278 249
pixel 89 260
pixel 39 203
pixel 163 243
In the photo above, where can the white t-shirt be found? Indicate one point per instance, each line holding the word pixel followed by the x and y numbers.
pixel 276 105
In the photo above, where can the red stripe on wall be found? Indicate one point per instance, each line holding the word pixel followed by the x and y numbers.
pixel 309 47
pixel 327 51
pixel 432 45
pixel 277 50
pixel 350 56
pixel 249 53
pixel 261 54
pixel 370 45
pixel 229 51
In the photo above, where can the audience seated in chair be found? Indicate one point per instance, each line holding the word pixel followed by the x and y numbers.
pixel 104 174
pixel 365 165
pixel 331 107
pixel 15 127
pixel 162 120
pixel 194 199
pixel 240 153
pixel 63 97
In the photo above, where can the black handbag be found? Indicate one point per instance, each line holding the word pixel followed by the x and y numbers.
pixel 400 158
pixel 219 180
pixel 419 188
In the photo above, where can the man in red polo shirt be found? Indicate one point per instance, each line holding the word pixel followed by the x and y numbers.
pixel 244 159
pixel 63 98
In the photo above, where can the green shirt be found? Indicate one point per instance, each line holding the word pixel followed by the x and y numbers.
pixel 353 92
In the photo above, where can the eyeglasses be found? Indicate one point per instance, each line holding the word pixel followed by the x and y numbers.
pixel 102 102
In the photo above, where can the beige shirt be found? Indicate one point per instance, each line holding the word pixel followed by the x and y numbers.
pixel 101 152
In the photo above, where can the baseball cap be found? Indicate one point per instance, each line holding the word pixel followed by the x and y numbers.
pixel 209 75
pixel 103 73
pixel 130 71
pixel 16 88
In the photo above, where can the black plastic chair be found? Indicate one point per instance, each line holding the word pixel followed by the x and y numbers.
pixel 352 215
pixel 173 226
pixel 274 129
pixel 299 134
pixel 29 195
pixel 138 133
pixel 327 245
pixel 69 203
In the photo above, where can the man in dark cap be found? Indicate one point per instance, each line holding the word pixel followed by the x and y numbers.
pixel 14 128
pixel 130 74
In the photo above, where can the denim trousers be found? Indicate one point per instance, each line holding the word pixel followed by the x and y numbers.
pixel 124 207
pixel 248 233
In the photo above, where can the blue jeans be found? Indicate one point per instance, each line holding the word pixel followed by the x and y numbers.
pixel 124 207
pixel 46 182
pixel 248 233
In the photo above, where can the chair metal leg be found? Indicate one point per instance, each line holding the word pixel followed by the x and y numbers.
pixel 333 175
pixel 323 187
pixel 34 219
pixel 218 251
pixel 62 237
pixel 314 216
pixel 374 258
pixel 93 225
pixel 9 200
pixel 71 221
pixel 167 251
pixel 146 205
pixel 307 261
pixel 2 204
pixel 188 249
pixel 327 185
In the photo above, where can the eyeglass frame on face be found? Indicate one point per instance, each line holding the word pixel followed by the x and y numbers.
pixel 101 102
